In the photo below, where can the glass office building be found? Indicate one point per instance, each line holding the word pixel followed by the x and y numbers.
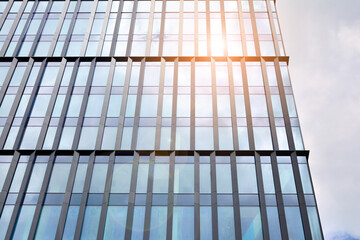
pixel 149 119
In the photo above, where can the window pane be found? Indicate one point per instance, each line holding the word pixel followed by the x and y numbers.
pixel 142 178
pixel 146 138
pixel 251 227
pixel 23 223
pixel 137 230
pixel 4 167
pixel 91 222
pixel 262 137
pixel 161 178
pixel 88 138
pixel 225 138
pixel 226 226
pixel 98 178
pixel 18 177
pixel 94 106
pixel 314 223
pixel 59 177
pixel 293 222
pixel 246 176
pixel 48 222
pixel 5 219
pixel 258 106
pixel 70 225
pixel 184 178
pixel 183 223
pixel 121 178
pixel 223 178
pixel 286 178
pixel 268 179
pixel 37 177
pixel 115 222
pixel 149 105
pixel 274 225
pixel 80 178
pixel 305 179
pixel 205 223
pixel 204 139
pixel 158 222
pixel 205 178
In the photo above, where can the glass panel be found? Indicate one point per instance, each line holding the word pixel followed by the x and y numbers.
pixel 226 226
pixel 59 177
pixel 184 178
pixel 91 222
pixel 138 223
pixel 37 177
pixel 205 178
pixel 115 222
pixel 223 178
pixel 305 179
pixel 268 179
pixel 70 225
pixel 274 225
pixel 5 220
pixel 205 223
pixel 142 178
pixel 23 223
pixel 4 167
pixel 314 223
pixel 161 178
pixel 18 177
pixel 98 178
pixel 251 227
pixel 88 138
pixel 286 178
pixel 246 176
pixel 149 105
pixel 204 139
pixel 158 223
pixel 262 137
pixel 293 222
pixel 183 223
pixel 146 138
pixel 121 178
pixel 48 222
pixel 80 178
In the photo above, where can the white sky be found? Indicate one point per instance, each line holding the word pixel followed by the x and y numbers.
pixel 322 38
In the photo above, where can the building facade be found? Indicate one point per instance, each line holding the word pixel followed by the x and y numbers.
pixel 149 119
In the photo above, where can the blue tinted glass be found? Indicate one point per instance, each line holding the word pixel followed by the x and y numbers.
pixel 274 225
pixel 5 219
pixel 246 177
pixel 314 223
pixel 98 178
pixel 142 178
pixel 138 223
pixel 305 179
pixel 204 138
pixel 223 178
pixel 88 138
pixel 294 224
pixel 184 178
pixel 161 178
pixel 23 223
pixel 146 138
pixel 183 223
pixel 158 223
pixel 268 180
pixel 37 176
pixel 80 178
pixel 115 222
pixel 59 177
pixel 251 227
pixel 262 137
pixel 205 178
pixel 91 222
pixel 286 178
pixel 226 227
pixel 121 178
pixel 4 167
pixel 70 225
pixel 205 223
pixel 94 106
pixel 47 225
pixel 114 106
pixel 226 138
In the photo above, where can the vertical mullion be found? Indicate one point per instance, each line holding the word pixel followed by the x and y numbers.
pixel 123 104
pixel 197 195
pixel 253 23
pixel 131 31
pixel 208 31
pixel 89 27
pixel 105 202
pixel 71 27
pixel 105 104
pixel 51 105
pixel 235 190
pixel 269 105
pixel 181 24
pixel 214 212
pixel 17 99
pixel 273 29
pixel 151 23
pixel 20 197
pixel 22 35
pixel 232 105
pixel 67 196
pixel 247 105
pixel 196 29
pixel 8 77
pixel 13 27
pixel 30 105
pixel 38 34
pixel 81 213
pixel 42 194
pixel 162 27
pixel 260 185
pixel 81 117
pixel 193 103
pixel 242 28
pixel 66 105
pixel 7 184
pixel 301 197
pixel 174 104
pixel 284 105
pixel 160 105
pixel 6 12
pixel 58 28
pixel 149 197
pixel 132 194
pixel 116 28
pixel 170 205
pixel 279 199
pixel 104 26
pixel 138 106
pixel 215 107
pixel 223 28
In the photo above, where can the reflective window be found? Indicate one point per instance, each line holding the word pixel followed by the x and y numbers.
pixel 91 222
pixel 251 227
pixel 115 222
pixel 226 226
pixel 98 178
pixel 184 178
pixel 205 223
pixel 161 178
pixel 158 222
pixel 246 177
pixel 121 178
pixel 47 225
pixel 59 177
pixel 183 223
pixel 294 223
pixel 23 222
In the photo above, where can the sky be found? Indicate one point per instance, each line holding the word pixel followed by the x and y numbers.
pixel 322 38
